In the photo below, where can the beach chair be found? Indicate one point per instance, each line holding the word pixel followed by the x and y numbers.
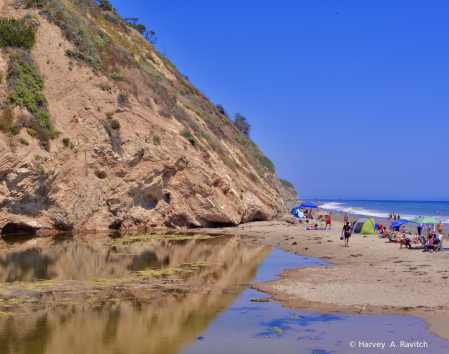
pixel 391 237
pixel 439 247
pixel 422 240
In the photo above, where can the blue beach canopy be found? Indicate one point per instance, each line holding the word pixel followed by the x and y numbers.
pixel 308 205
pixel 398 223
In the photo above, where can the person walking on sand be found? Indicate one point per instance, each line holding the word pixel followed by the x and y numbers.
pixel 346 231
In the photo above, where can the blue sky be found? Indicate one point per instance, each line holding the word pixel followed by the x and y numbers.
pixel 349 99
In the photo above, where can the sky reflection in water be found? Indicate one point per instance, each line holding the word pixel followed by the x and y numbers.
pixel 203 308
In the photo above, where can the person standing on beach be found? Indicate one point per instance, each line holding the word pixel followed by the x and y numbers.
pixel 328 222
pixel 440 227
pixel 346 217
pixel 346 231
pixel 390 218
pixel 399 217
pixel 420 226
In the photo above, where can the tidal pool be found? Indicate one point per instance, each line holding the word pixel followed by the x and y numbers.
pixel 166 294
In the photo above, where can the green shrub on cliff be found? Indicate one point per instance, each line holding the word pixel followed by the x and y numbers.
pixel 188 135
pixel 43 118
pixel 286 183
pixel 265 161
pixel 16 33
pixel 6 120
pixel 15 129
pixel 76 54
pixel 115 124
pixel 26 83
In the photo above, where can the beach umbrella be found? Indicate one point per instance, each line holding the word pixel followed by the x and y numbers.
pixel 398 223
pixel 425 220
pixel 308 205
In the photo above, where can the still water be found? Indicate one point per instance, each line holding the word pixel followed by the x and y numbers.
pixel 166 294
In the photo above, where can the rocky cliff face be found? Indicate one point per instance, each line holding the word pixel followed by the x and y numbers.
pixel 289 193
pixel 129 142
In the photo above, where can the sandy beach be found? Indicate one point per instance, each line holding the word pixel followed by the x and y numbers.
pixel 370 277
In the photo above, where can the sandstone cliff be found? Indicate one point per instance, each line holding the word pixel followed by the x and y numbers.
pixel 114 136
pixel 289 193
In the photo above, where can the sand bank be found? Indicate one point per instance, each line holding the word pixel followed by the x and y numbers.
pixel 371 276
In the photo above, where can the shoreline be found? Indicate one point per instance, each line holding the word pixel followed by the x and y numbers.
pixel 358 216
pixel 371 277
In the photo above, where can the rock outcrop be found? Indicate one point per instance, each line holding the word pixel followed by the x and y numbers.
pixel 144 174
pixel 289 193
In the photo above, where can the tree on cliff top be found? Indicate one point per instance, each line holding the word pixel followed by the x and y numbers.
pixel 105 5
pixel 242 124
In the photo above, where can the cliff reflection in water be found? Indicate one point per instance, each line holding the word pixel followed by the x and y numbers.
pixel 147 314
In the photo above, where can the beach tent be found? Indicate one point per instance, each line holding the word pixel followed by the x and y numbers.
pixel 364 226
pixel 308 205
pixel 299 214
pixel 294 210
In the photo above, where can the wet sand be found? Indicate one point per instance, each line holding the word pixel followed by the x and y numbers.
pixel 371 277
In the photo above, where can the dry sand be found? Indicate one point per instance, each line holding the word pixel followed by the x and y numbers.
pixel 371 276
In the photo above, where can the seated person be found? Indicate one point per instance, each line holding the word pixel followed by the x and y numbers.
pixel 430 243
pixel 383 232
pixel 436 241
pixel 416 239
pixel 391 235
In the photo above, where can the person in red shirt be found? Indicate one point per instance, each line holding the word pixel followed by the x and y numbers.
pixel 328 222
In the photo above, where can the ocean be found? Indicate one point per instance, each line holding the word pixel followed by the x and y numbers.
pixel 408 210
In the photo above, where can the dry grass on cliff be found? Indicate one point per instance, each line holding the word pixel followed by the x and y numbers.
pixel 105 43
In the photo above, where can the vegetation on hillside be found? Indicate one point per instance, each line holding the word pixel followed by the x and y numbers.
pixel 6 120
pixel 242 124
pixel 25 85
pixel 286 183
pixel 16 33
pixel 122 49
